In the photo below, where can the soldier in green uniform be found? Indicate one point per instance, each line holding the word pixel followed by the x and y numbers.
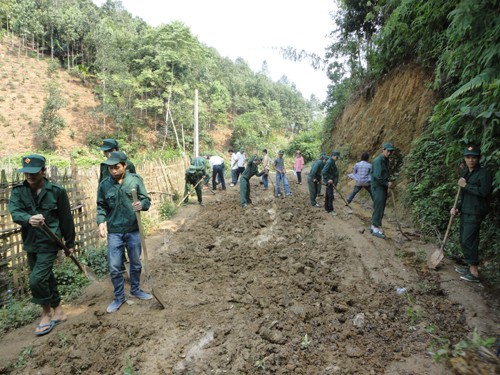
pixel 194 173
pixel 314 179
pixel 473 204
pixel 109 145
pixel 380 185
pixel 34 203
pixel 330 175
pixel 250 170
pixel 117 222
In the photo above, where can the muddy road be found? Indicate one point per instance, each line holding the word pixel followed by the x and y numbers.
pixel 276 288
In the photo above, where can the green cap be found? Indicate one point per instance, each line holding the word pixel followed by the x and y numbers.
pixel 32 163
pixel 242 149
pixel 281 152
pixel 336 153
pixel 108 144
pixel 116 157
pixel 388 147
pixel 472 150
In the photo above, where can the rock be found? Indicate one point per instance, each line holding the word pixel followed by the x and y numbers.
pixel 361 230
pixel 359 320
pixel 353 351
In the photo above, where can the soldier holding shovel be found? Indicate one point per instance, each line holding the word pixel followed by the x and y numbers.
pixel 35 203
pixel 116 208
pixel 473 205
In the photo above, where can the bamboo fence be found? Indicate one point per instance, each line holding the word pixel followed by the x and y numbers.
pixel 164 181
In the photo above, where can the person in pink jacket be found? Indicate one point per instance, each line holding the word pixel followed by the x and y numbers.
pixel 298 165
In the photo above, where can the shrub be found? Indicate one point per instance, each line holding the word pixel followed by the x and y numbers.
pixel 167 210
pixel 70 280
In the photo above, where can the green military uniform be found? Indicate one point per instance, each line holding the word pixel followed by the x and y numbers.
pixel 114 203
pixel 52 202
pixel 194 173
pixel 250 170
pixel 379 186
pixel 473 205
pixel 330 172
pixel 314 180
pixel 105 172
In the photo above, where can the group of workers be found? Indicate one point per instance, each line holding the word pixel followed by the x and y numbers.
pixel 38 205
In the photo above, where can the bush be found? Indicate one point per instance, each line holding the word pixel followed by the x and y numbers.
pixel 17 313
pixel 96 259
pixel 70 280
pixel 167 210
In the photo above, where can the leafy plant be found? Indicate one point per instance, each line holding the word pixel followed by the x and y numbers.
pixel 70 280
pixel 306 342
pixel 167 209
pixel 96 259
pixel 15 313
pixel 129 370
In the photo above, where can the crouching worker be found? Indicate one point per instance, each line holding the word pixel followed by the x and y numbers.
pixel 195 174
pixel 117 220
pixel 35 203
pixel 250 170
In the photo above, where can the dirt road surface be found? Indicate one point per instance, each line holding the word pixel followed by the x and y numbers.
pixel 276 288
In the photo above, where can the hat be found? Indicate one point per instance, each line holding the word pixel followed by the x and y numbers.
pixel 116 157
pixel 472 150
pixel 336 153
pixel 281 152
pixel 256 158
pixel 108 144
pixel 323 156
pixel 242 149
pixel 32 163
pixel 388 147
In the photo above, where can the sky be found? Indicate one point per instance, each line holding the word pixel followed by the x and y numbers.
pixel 250 29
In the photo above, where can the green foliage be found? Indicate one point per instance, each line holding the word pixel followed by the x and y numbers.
pixel 308 142
pixel 51 121
pixel 96 259
pixel 129 369
pixel 167 210
pixel 16 313
pixel 70 281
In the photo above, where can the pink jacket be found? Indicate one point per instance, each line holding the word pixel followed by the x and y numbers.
pixel 298 164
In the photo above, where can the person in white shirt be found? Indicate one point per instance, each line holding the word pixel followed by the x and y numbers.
pixel 241 162
pixel 217 165
pixel 234 167
pixel 266 166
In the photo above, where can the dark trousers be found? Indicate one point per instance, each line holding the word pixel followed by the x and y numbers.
pixel 299 177
pixel 469 237
pixel 379 196
pixel 42 281
pixel 244 192
pixel 239 171
pixel 329 198
pixel 356 190
pixel 313 191
pixel 218 173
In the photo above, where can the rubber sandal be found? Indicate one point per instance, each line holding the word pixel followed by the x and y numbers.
pixel 49 325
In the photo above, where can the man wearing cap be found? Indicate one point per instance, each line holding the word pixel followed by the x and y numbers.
pixel 250 170
pixel 473 204
pixel 279 167
pixel 34 203
pixel 266 167
pixel 109 145
pixel 379 185
pixel 330 175
pixel 314 179
pixel 195 173
pixel 117 221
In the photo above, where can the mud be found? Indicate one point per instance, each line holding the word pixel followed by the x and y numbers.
pixel 276 288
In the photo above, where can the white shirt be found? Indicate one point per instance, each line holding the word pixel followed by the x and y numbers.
pixel 215 160
pixel 241 159
pixel 234 161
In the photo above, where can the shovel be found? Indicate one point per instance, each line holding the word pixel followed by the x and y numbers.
pixel 438 255
pixel 189 192
pixel 396 216
pixel 84 269
pixel 341 196
pixel 145 252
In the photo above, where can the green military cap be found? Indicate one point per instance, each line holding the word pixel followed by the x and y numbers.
pixel 116 157
pixel 32 163
pixel 336 153
pixel 108 144
pixel 388 147
pixel 256 158
pixel 242 149
pixel 281 152
pixel 472 150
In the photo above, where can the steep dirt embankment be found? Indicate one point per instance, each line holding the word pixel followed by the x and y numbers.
pixel 393 110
